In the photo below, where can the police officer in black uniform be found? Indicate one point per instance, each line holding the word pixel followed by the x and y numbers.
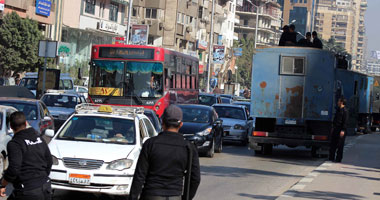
pixel 30 163
pixel 163 161
pixel 338 135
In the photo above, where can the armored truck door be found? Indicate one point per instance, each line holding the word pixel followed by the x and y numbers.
pixel 292 80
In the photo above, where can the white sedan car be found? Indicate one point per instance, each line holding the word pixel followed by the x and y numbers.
pixel 6 134
pixel 97 148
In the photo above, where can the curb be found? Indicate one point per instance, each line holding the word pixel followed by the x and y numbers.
pixel 301 184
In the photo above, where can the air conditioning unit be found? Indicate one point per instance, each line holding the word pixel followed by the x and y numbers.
pixel 161 25
pixel 189 29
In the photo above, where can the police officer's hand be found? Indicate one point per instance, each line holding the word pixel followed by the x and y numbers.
pixel 341 133
pixel 2 192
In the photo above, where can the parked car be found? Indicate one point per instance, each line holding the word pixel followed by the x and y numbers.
pixel 236 122
pixel 36 112
pixel 226 100
pixel 154 119
pixel 6 134
pixel 31 79
pixel 209 99
pixel 81 90
pixel 61 104
pixel 247 104
pixel 16 91
pixel 202 126
pixel 97 149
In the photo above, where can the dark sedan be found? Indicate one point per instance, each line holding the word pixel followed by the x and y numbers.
pixel 202 126
pixel 208 99
pixel 154 119
pixel 36 112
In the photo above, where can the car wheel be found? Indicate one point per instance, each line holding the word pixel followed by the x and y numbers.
pixel 210 153
pixel 220 146
pixel 373 129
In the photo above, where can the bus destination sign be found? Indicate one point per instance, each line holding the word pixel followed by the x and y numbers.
pixel 126 53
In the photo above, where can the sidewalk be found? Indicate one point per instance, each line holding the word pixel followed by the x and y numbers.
pixel 356 178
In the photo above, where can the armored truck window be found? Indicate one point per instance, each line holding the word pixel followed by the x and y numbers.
pixel 292 65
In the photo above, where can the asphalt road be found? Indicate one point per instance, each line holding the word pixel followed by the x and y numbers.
pixel 238 174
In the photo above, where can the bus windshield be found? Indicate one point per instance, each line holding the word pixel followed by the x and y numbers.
pixel 142 79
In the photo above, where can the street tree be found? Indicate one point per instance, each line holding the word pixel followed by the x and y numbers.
pixel 19 40
pixel 244 62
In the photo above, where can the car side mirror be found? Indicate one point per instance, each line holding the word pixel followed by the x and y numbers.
pixel 47 118
pixel 218 122
pixel 250 118
pixel 49 132
pixel 10 132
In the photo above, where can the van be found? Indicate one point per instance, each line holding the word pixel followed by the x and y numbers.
pixel 31 79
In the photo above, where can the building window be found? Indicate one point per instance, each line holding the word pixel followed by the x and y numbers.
pixel 102 7
pixel 151 13
pixel 90 7
pixel 114 9
pixel 150 40
pixel 134 12
pixel 200 12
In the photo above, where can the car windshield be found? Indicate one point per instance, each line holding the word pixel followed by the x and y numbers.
pixel 195 115
pixel 207 100
pixel 30 83
pixel 99 129
pixel 65 101
pixel 230 112
pixel 248 106
pixel 142 79
pixel 225 100
pixel 30 110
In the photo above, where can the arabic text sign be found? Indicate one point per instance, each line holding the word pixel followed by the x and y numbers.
pixel 43 7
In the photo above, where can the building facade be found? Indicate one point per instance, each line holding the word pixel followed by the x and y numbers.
pixel 269 21
pixel 343 20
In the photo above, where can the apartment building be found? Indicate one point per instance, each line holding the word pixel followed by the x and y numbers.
pixel 269 20
pixel 343 20
pixel 44 15
pixel 299 12
pixel 83 23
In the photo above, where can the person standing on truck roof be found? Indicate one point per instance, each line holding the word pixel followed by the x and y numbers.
pixel 338 134
pixel 317 43
pixel 306 42
pixel 164 161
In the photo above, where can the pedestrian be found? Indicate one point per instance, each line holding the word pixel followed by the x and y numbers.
pixel 30 163
pixel 306 42
pixel 216 90
pixel 284 34
pixel 163 163
pixel 338 134
pixel 292 38
pixel 317 43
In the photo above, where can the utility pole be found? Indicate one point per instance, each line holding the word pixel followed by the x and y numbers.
pixel 210 47
pixel 130 10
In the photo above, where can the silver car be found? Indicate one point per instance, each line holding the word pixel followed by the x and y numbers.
pixel 236 122
pixel 6 134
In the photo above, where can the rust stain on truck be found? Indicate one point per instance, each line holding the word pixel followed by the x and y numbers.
pixel 294 105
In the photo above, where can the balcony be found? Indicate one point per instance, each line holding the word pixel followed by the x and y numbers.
pixel 245 28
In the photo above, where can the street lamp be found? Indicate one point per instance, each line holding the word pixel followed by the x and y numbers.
pixel 257 17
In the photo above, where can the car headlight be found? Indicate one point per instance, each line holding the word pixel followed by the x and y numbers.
pixel 239 127
pixel 120 164
pixel 55 160
pixel 205 132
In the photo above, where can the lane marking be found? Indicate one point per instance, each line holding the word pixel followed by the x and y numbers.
pixel 306 180
pixel 298 187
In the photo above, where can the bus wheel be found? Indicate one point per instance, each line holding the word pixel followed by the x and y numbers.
pixel 267 149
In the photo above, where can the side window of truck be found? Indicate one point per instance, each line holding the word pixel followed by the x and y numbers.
pixel 292 65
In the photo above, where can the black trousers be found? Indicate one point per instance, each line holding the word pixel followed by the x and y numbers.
pixel 336 145
pixel 42 193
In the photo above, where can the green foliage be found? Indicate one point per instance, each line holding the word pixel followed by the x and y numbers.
pixel 244 62
pixel 19 43
pixel 333 46
pixel 73 71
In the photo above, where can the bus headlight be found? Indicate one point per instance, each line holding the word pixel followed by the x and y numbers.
pixel 120 164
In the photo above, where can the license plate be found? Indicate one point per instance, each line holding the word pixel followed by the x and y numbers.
pixel 291 121
pixel 79 179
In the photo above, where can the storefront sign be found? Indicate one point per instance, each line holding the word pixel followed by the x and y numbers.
pixel 126 53
pixel 2 2
pixel 218 57
pixel 108 26
pixel 201 69
pixel 104 91
pixel 140 34
pixel 238 51
pixel 202 44
pixel 43 7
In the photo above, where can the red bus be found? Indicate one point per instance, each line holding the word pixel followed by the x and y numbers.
pixel 136 75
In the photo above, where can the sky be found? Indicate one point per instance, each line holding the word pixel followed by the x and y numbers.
pixel 372 18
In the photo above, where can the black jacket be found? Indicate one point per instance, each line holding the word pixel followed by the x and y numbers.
pixel 161 167
pixel 340 119
pixel 317 43
pixel 288 39
pixel 29 159
pixel 305 43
